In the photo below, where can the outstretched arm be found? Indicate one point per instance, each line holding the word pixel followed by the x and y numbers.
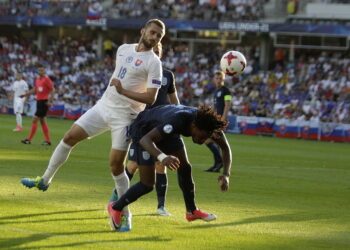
pixel 148 97
pixel 148 143
pixel 226 109
pixel 50 102
pixel 227 161
pixel 28 93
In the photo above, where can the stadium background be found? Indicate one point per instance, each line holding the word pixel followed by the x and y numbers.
pixel 296 85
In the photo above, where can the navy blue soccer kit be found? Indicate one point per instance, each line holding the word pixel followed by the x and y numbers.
pixel 168 87
pixel 220 96
pixel 170 120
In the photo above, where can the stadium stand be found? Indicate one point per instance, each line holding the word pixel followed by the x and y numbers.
pixel 311 86
pixel 289 76
pixel 197 10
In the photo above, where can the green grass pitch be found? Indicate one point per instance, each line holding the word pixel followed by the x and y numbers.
pixel 284 194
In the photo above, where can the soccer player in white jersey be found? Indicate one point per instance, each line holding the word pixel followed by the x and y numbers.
pixel 19 88
pixel 134 83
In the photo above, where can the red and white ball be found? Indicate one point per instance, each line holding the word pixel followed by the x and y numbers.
pixel 233 63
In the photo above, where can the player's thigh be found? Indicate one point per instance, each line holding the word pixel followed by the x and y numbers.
pixel 74 135
pixel 117 157
pixel 147 175
pixel 116 161
pixel 120 138
pixel 132 164
pixel 93 122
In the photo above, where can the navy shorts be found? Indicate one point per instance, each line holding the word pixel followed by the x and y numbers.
pixel 41 108
pixel 143 158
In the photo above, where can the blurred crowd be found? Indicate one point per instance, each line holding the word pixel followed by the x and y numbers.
pixel 214 10
pixel 312 87
pixel 79 78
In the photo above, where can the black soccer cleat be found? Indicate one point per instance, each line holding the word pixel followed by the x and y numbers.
pixel 26 141
pixel 46 143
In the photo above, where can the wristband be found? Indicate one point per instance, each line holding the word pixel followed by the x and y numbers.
pixel 161 157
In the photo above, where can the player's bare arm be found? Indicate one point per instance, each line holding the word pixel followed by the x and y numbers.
pixel 148 97
pixel 173 98
pixel 50 101
pixel 227 160
pixel 28 93
pixel 226 109
pixel 148 143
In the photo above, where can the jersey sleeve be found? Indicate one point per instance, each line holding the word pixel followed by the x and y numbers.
pixel 118 51
pixel 171 88
pixel 49 83
pixel 14 86
pixel 154 79
pixel 227 95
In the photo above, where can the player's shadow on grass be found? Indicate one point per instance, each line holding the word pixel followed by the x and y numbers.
pixel 264 219
pixel 150 215
pixel 11 219
pixel 16 242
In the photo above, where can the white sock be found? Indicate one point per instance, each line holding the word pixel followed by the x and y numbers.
pixel 122 184
pixel 19 119
pixel 59 156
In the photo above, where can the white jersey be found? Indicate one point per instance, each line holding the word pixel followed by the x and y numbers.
pixel 19 87
pixel 136 71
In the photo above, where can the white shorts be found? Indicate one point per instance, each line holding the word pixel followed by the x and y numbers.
pixel 18 105
pixel 99 119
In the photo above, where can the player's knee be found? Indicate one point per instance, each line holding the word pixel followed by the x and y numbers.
pixel 117 166
pixel 132 167
pixel 147 186
pixel 74 135
pixel 35 119
pixel 69 138
pixel 148 180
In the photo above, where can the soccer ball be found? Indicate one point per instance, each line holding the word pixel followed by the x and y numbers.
pixel 233 63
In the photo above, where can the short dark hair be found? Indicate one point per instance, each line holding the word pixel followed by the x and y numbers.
pixel 40 65
pixel 208 120
pixel 157 22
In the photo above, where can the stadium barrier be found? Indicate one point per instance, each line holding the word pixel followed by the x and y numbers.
pixel 285 128
pixel 246 125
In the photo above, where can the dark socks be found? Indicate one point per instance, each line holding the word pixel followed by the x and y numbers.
pixel 133 193
pixel 161 188
pixel 187 186
pixel 216 152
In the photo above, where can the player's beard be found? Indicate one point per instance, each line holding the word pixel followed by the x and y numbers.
pixel 147 44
